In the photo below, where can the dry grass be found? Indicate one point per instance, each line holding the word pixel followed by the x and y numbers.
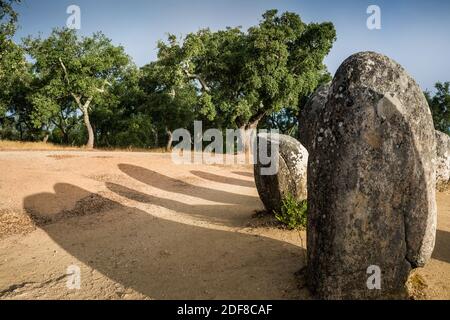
pixel 32 146
pixel 15 222
pixel 133 149
pixel 6 145
pixel 417 286
pixel 61 156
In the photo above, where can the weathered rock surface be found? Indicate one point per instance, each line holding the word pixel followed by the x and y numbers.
pixel 309 117
pixel 443 161
pixel 291 176
pixel 371 181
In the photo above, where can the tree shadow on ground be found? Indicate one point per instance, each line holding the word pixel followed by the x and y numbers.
pixel 164 259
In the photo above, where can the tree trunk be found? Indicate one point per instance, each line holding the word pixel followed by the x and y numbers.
pixel 45 140
pixel 65 135
pixel 85 109
pixel 156 140
pixel 94 130
pixel 87 123
pixel 20 131
pixel 169 140
pixel 247 132
pixel 65 138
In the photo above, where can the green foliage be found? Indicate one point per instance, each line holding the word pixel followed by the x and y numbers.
pixel 285 121
pixel 117 120
pixel 169 101
pixel 8 19
pixel 293 213
pixel 286 59
pixel 72 65
pixel 137 131
pixel 12 61
pixel 440 106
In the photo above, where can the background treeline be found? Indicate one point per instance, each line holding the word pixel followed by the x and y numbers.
pixel 77 91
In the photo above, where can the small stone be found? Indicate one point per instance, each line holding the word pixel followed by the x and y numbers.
pixel 291 176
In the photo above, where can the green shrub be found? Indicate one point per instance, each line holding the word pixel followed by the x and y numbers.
pixel 293 213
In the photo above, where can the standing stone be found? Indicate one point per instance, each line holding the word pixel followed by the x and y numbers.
pixel 291 174
pixel 371 199
pixel 310 114
pixel 443 161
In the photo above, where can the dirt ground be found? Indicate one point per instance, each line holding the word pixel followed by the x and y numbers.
pixel 140 227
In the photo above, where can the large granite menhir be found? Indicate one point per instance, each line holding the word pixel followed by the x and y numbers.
pixel 371 182
pixel 443 161
pixel 309 116
pixel 290 178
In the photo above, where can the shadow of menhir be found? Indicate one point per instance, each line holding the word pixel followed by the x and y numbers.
pixel 442 249
pixel 224 215
pixel 165 259
pixel 244 174
pixel 230 209
pixel 162 182
pixel 222 179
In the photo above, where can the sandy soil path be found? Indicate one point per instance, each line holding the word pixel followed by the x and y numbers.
pixel 139 227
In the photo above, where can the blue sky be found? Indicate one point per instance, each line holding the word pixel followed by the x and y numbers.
pixel 415 33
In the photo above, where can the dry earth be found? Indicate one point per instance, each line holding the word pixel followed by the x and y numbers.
pixel 140 227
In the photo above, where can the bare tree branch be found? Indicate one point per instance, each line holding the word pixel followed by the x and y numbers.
pixel 197 77
pixel 66 75
pixel 102 89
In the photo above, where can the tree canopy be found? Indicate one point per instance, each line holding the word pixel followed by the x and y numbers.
pixel 76 89
pixel 12 61
pixel 74 74
pixel 245 76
